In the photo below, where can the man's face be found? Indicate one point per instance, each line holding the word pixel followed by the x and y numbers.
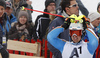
pixel 96 22
pixel 2 10
pixel 99 9
pixel 73 8
pixel 8 11
pixel 51 7
pixel 75 35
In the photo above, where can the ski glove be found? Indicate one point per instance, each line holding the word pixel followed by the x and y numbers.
pixel 66 23
pixel 86 22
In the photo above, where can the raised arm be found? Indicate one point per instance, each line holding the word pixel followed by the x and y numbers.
pixel 54 40
pixel 93 40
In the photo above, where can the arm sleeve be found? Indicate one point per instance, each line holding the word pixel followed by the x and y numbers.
pixel 52 25
pixel 93 40
pixel 82 8
pixel 13 33
pixel 36 28
pixel 54 40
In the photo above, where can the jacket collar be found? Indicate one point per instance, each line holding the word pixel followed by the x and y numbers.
pixel 64 14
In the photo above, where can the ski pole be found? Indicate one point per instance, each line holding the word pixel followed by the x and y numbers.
pixel 23 8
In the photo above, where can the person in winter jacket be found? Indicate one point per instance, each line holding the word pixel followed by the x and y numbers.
pixel 21 29
pixel 98 32
pixel 16 6
pixel 42 21
pixel 9 10
pixel 3 30
pixel 95 21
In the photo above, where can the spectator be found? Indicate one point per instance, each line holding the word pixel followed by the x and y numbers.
pixel 42 21
pixel 9 10
pixel 98 7
pixel 29 3
pixel 3 33
pixel 22 29
pixel 68 9
pixel 80 4
pixel 70 49
pixel 16 6
pixel 95 21
pixel 98 49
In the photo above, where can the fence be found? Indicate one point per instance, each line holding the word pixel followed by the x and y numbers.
pixel 28 49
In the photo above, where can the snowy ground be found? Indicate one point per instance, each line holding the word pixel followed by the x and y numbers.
pixel 91 5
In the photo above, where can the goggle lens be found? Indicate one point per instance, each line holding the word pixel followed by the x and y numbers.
pixel 77 32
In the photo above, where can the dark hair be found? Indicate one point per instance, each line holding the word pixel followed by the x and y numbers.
pixel 98 6
pixel 64 4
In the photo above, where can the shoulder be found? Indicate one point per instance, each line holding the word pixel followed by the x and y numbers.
pixel 58 20
pixel 13 24
pixel 39 16
pixel 12 15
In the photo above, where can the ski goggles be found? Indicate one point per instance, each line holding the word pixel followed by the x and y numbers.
pixel 73 5
pixel 77 32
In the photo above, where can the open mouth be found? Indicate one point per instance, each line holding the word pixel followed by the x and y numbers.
pixel 75 36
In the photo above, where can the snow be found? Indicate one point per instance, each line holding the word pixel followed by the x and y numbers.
pixel 37 5
pixel 91 5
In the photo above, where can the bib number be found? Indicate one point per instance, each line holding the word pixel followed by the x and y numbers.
pixel 75 52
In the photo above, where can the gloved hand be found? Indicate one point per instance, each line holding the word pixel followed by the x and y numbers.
pixel 86 22
pixel 68 21
pixel 4 53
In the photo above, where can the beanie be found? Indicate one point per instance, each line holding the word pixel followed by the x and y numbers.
pixel 47 2
pixel 23 13
pixel 93 16
pixel 2 3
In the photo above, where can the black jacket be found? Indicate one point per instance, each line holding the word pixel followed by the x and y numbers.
pixel 41 25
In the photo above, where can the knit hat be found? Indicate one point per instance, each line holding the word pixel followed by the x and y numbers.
pixel 47 2
pixel 93 16
pixel 8 4
pixel 23 13
pixel 2 3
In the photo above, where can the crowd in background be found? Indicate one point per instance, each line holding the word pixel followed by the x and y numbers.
pixel 17 23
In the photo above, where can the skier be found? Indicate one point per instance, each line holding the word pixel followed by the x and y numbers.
pixel 77 48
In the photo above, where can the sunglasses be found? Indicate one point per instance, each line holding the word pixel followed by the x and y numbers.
pixel 77 32
pixel 73 5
